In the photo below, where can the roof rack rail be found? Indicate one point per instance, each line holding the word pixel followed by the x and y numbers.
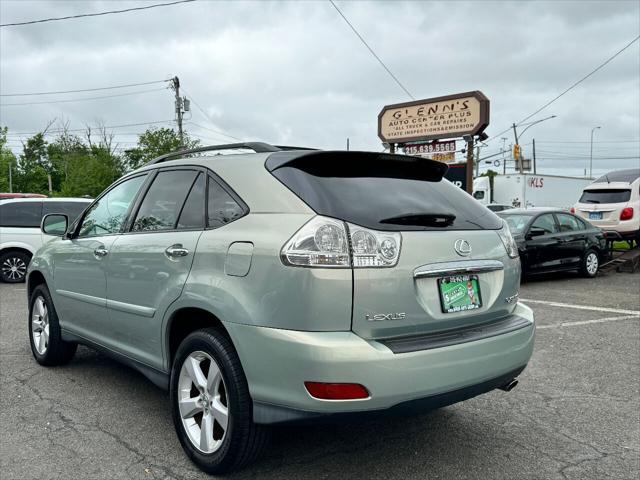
pixel 258 147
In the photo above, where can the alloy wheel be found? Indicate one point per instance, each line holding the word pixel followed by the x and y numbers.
pixel 40 325
pixel 592 263
pixel 203 402
pixel 14 268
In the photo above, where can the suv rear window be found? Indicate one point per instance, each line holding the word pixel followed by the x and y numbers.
pixel 20 214
pixel 383 192
pixel 605 196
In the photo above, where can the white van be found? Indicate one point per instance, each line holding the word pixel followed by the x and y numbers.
pixel 20 234
pixel 612 202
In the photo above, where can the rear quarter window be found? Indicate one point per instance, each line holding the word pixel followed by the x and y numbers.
pixel 383 192
pixel 20 214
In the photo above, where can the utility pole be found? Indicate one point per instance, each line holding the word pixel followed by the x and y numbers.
pixel 10 179
pixel 591 153
pixel 176 87
pixel 504 160
pixel 477 159
pixel 347 144
pixel 469 139
pixel 534 156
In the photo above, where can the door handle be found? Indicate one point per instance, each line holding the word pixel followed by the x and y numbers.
pixel 100 252
pixel 176 250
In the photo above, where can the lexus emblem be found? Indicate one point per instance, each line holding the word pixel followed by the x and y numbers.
pixel 462 247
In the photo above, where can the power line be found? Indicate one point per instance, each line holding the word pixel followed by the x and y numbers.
pixel 49 132
pixel 371 50
pixel 95 14
pixel 81 99
pixel 206 115
pixel 83 90
pixel 575 84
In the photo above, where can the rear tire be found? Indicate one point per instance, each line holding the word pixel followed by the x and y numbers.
pixel 209 391
pixel 13 266
pixel 45 336
pixel 590 264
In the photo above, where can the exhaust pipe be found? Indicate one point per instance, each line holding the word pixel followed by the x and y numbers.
pixel 507 387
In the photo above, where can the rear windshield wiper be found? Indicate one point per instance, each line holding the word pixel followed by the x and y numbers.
pixel 422 219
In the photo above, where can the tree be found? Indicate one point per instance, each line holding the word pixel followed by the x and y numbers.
pixel 153 143
pixel 7 161
pixel 33 176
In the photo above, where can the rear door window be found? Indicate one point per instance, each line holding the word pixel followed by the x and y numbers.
pixel 546 223
pixel 567 223
pixel 164 200
pixel 20 214
pixel 606 196
pixel 383 192
pixel 192 215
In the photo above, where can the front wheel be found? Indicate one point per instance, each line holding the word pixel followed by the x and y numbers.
pixel 590 264
pixel 211 406
pixel 45 336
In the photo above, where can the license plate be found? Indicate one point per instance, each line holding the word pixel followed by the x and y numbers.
pixel 595 215
pixel 459 293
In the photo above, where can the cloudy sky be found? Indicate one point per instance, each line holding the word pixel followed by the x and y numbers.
pixel 293 72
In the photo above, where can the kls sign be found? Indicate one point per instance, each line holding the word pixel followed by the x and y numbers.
pixel 536 182
pixel 451 116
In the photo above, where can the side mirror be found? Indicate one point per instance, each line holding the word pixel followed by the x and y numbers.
pixel 535 232
pixel 54 224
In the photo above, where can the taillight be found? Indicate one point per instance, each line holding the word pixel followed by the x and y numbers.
pixel 323 242
pixel 336 391
pixel 626 213
pixel 572 210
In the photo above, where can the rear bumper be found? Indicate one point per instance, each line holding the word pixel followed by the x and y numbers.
pixel 278 362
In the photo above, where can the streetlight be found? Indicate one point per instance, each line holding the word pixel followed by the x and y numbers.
pixel 515 134
pixel 591 153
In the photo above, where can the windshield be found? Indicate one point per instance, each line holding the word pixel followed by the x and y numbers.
pixel 517 223
pixel 605 196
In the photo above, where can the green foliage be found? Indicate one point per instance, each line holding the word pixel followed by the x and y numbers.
pixel 155 142
pixel 7 160
pixel 76 166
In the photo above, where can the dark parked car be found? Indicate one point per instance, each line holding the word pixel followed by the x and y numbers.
pixel 554 240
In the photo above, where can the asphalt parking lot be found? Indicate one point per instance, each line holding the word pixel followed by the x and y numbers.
pixel 574 415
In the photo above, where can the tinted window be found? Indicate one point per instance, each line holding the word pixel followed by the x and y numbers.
pixel 605 196
pixel 20 214
pixel 108 214
pixel 192 215
pixel 383 192
pixel 546 223
pixel 517 223
pixel 70 209
pixel 629 176
pixel 162 203
pixel 567 223
pixel 222 208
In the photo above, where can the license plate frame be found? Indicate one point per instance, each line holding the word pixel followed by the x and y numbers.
pixel 595 215
pixel 455 295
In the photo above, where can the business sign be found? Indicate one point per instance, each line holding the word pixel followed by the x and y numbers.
pixel 429 148
pixel 450 116
pixel 457 174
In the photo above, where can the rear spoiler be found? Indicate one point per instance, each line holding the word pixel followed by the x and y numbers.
pixel 354 163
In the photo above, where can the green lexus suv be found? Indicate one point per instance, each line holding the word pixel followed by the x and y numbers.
pixel 263 285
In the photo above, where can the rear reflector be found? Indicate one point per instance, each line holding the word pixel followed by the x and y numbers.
pixel 626 214
pixel 572 210
pixel 336 391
